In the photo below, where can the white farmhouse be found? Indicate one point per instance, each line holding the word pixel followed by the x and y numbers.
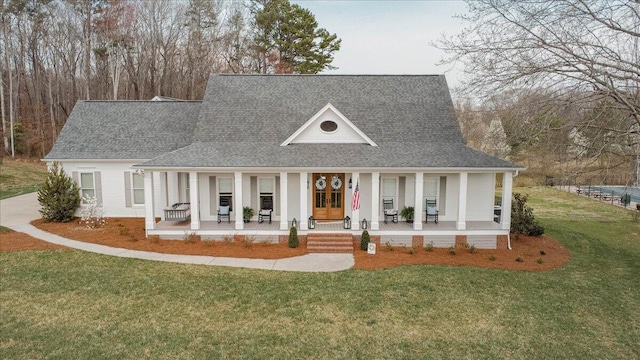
pixel 293 148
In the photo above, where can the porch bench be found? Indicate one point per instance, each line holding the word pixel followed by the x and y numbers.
pixel 178 212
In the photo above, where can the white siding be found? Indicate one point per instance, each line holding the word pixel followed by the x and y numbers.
pixel 113 187
pixel 451 212
pixel 480 197
pixel 440 241
pixel 482 241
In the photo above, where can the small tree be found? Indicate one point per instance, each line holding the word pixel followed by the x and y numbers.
pixel 522 219
pixel 92 214
pixel 293 238
pixel 59 196
pixel 364 240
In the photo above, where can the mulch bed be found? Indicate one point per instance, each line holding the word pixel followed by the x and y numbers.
pixel 16 241
pixel 537 253
pixel 527 248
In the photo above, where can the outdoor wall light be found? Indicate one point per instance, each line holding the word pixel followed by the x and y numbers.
pixel 350 183
pixel 347 222
pixel 312 222
pixel 365 225
pixel 294 223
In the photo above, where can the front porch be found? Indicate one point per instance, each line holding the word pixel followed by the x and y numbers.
pixel 465 203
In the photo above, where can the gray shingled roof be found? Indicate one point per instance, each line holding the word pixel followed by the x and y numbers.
pixel 268 109
pixel 401 154
pixel 125 129
pixel 243 119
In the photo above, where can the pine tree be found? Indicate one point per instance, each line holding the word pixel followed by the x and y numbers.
pixel 59 196
pixel 288 39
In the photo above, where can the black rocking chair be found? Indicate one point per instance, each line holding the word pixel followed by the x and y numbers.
pixel 389 210
pixel 431 210
pixel 224 212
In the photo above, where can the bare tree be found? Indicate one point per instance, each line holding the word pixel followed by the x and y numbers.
pixel 574 53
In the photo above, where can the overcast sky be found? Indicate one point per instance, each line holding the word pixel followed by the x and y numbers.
pixel 389 37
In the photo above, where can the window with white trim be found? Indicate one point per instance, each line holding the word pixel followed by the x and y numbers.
pixel 184 185
pixel 430 190
pixel 225 192
pixel 266 193
pixel 390 190
pixel 87 185
pixel 137 188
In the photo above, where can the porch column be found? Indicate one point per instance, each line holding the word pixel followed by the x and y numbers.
pixel 173 190
pixel 237 200
pixel 194 198
pixel 507 189
pixel 355 214
pixel 303 221
pixel 417 207
pixel 284 223
pixel 149 215
pixel 462 202
pixel 164 191
pixel 375 201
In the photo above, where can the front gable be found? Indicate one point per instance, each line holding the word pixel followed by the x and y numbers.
pixel 328 126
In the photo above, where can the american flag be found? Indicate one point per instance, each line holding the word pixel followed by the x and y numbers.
pixel 355 205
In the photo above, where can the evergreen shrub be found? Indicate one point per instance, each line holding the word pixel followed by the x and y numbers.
pixel 522 220
pixel 59 196
pixel 365 239
pixel 293 238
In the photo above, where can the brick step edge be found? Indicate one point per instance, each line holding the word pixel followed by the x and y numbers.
pixel 331 250
pixel 329 243
pixel 343 238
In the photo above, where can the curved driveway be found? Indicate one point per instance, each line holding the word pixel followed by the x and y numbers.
pixel 17 212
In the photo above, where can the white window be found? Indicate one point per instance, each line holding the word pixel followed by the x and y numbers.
pixel 184 186
pixel 266 189
pixel 390 190
pixel 87 185
pixel 137 188
pixel 225 192
pixel 430 190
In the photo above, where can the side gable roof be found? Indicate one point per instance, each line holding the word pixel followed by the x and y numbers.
pixel 125 129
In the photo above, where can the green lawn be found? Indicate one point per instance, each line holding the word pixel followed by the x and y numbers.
pixel 71 304
pixel 18 177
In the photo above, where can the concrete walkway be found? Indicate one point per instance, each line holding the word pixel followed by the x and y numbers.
pixel 17 212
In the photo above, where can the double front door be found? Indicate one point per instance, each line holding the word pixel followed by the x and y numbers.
pixel 328 196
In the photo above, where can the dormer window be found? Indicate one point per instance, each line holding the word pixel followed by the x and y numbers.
pixel 329 126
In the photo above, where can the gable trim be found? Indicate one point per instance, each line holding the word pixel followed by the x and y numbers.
pixel 315 117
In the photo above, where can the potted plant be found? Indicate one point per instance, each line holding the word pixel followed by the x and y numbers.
pixel 247 214
pixel 407 213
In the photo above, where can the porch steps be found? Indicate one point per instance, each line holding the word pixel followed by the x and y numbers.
pixel 329 243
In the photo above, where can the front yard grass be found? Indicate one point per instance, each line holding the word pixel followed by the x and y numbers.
pixel 19 177
pixel 72 304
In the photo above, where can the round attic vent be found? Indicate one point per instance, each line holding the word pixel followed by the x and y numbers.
pixel 329 126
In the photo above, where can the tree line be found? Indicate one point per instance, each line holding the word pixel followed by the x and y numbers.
pixel 55 52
